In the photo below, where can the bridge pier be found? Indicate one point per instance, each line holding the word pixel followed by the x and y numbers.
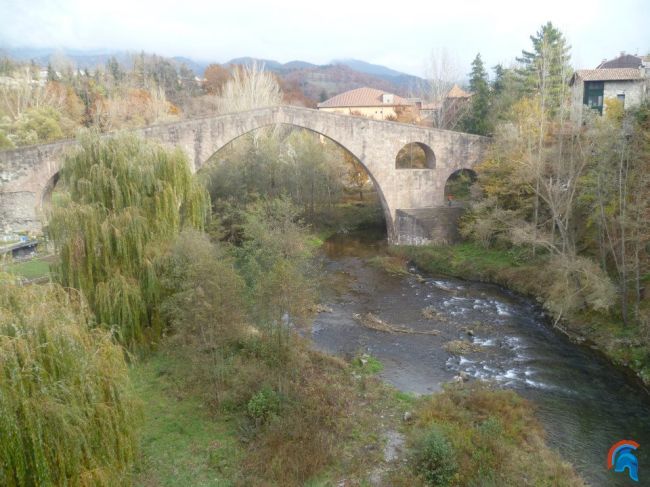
pixel 422 226
pixel 18 213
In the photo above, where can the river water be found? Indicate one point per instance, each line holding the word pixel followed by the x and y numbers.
pixel 584 403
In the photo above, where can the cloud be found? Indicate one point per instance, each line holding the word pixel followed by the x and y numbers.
pixel 400 34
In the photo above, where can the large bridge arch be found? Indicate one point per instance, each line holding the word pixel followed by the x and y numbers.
pixel 241 132
pixel 26 172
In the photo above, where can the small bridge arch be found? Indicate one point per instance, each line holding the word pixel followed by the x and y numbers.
pixel 25 173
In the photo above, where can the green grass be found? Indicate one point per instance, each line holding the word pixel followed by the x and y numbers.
pixel 182 443
pixel 30 269
pixel 468 260
pixel 367 364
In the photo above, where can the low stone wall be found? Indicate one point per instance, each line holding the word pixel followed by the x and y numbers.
pixel 422 226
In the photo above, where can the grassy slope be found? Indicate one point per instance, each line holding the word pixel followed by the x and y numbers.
pixel 30 269
pixel 622 344
pixel 181 443
pixel 188 442
pixel 184 443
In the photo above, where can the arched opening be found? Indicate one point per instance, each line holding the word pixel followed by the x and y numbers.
pixel 415 155
pixel 331 186
pixel 458 188
pixel 53 190
pixel 48 191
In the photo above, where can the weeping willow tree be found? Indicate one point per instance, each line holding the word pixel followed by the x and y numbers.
pixel 127 197
pixel 68 414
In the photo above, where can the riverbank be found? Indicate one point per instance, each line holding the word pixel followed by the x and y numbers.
pixel 359 430
pixel 314 419
pixel 625 346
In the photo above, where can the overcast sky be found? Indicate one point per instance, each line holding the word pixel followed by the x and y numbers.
pixel 399 34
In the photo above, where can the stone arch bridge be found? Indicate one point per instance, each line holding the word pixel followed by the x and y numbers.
pixel 408 196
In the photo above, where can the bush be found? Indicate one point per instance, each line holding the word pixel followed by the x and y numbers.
pixel 68 415
pixel 264 405
pixel 434 459
pixel 203 292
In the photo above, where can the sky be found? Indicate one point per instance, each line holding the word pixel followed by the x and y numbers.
pixel 400 34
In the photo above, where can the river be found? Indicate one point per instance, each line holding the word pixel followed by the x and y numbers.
pixel 584 403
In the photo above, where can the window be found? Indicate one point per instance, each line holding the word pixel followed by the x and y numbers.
pixel 593 96
pixel 621 97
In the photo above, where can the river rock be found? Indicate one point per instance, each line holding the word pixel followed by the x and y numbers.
pixel 408 416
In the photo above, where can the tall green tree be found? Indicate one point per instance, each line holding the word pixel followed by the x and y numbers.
pixel 545 69
pixel 127 198
pixel 505 91
pixel 477 119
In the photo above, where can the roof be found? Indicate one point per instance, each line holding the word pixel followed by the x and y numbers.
pixel 622 61
pixel 615 74
pixel 457 92
pixel 362 97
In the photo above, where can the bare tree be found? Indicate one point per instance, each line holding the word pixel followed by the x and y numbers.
pixel 442 72
pixel 250 87
pixel 23 93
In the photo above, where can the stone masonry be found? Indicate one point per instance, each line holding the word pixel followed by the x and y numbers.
pixel 28 174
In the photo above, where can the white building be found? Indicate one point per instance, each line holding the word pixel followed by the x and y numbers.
pixel 627 82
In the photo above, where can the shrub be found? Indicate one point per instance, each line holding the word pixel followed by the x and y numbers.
pixel 203 290
pixel 433 458
pixel 68 415
pixel 264 405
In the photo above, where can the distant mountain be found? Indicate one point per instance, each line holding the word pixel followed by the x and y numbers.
pixel 317 81
pixel 269 64
pixel 364 67
pixel 274 66
pixel 198 67
pixel 83 59
pixel 314 81
pixel 291 65
pixel 406 82
pixel 91 58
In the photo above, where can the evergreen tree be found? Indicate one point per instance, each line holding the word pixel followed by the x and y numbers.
pixel 498 85
pixel 114 69
pixel 51 74
pixel 476 121
pixel 545 70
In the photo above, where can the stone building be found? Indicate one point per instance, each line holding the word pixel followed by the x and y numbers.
pixel 625 79
pixel 368 102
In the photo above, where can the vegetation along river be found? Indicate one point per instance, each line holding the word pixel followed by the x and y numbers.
pixel 584 403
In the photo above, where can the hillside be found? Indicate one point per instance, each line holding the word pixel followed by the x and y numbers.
pixel 316 82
